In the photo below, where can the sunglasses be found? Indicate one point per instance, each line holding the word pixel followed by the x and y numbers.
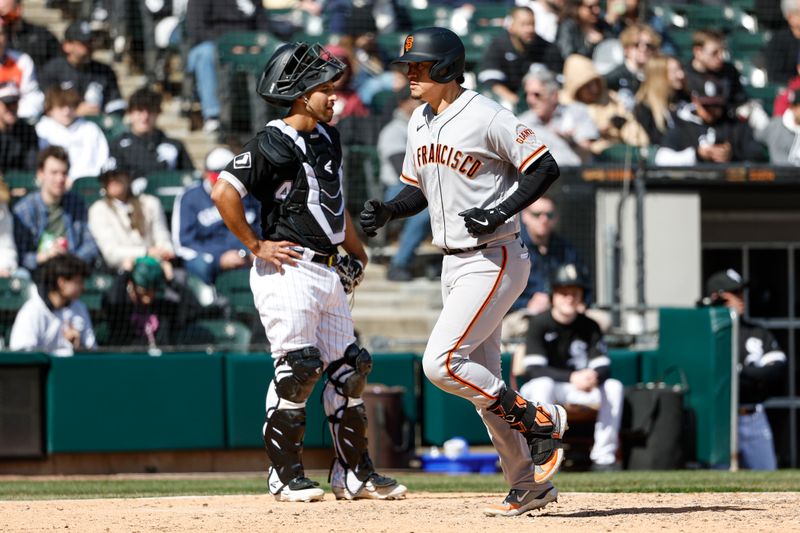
pixel 536 214
pixel 535 94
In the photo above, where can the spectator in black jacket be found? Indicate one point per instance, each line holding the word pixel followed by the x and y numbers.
pixel 783 49
pixel 205 21
pixel 146 148
pixel 706 132
pixel 511 54
pixel 34 40
pixel 18 141
pixel 639 44
pixel 582 29
pixel 708 61
pixel 94 81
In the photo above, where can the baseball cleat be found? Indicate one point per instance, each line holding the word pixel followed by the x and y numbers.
pixel 300 489
pixel 521 501
pixel 547 452
pixel 377 487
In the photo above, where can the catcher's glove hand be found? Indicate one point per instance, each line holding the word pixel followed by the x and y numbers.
pixel 351 272
pixel 482 221
pixel 374 216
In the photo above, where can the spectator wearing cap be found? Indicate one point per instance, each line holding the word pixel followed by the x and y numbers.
pixel 83 140
pixel 567 129
pixel 18 141
pixel 53 319
pixel 705 131
pixel 18 67
pixel 52 221
pixel 782 134
pixel 512 52
pixel 762 366
pixel 142 310
pixel 145 148
pixel 95 82
pixel 36 41
pixel 708 62
pixel 782 50
pixel 126 226
pixel 199 235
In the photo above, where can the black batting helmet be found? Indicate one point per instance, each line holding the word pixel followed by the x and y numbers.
pixel 439 45
pixel 569 275
pixel 294 69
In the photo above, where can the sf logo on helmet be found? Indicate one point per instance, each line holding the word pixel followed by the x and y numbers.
pixel 409 43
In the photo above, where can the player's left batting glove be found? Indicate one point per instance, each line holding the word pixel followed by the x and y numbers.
pixel 482 221
pixel 351 272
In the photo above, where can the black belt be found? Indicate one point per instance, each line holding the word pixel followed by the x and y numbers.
pixel 323 259
pixel 452 251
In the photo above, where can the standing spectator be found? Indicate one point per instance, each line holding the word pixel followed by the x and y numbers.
pixel 566 130
pixel 656 98
pixel 8 250
pixel 17 67
pixel 199 234
pixel 708 61
pixel 547 14
pixel 762 367
pixel 205 21
pixel 84 141
pixel 36 41
pixel 782 50
pixel 392 150
pixel 582 29
pixel 54 320
pixel 95 82
pixel 639 44
pixel 511 54
pixel 705 131
pixel 126 226
pixel 782 135
pixel 145 148
pixel 18 141
pixel 567 362
pixel 52 221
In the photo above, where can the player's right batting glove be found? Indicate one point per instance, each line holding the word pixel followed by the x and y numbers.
pixel 374 216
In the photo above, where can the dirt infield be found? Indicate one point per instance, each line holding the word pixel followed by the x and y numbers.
pixel 419 513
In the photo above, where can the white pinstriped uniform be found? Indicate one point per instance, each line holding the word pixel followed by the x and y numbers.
pixel 471 155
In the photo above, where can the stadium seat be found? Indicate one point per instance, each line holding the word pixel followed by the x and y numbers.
pixel 167 184
pixel 246 51
pixel 88 188
pixel 235 286
pixel 391 42
pixel 94 288
pixel 476 43
pixel 489 15
pixel 227 334
pixel 683 42
pixel 13 293
pixel 765 94
pixel 20 182
pixel 112 125
pixel 744 46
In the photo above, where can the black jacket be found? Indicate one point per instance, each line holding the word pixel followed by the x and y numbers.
pixel 149 153
pixel 93 77
pixel 18 147
pixel 35 41
pixel 208 19
pixel 502 63
pixel 780 55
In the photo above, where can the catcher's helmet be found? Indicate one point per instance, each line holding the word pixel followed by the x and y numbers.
pixel 294 69
pixel 439 45
pixel 569 275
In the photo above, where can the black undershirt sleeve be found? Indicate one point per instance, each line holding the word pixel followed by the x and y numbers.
pixel 536 180
pixel 408 202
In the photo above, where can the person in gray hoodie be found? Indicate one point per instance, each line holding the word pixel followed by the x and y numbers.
pixel 782 134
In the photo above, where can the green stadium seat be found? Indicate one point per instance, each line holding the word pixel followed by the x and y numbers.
pixel 13 293
pixel 88 188
pixel 391 42
pixel 489 15
pixel 94 288
pixel 227 334
pixel 235 286
pixel 430 16
pixel 683 42
pixel 20 182
pixel 744 46
pixel 112 125
pixel 765 94
pixel 476 43
pixel 246 51
pixel 167 184
pixel 619 153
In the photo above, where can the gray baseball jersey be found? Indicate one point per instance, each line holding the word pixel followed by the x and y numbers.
pixel 469 155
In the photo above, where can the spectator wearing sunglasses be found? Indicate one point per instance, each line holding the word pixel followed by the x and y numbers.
pixel 639 44
pixel 708 61
pixel 705 132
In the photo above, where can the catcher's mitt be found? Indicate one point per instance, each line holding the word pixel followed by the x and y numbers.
pixel 351 272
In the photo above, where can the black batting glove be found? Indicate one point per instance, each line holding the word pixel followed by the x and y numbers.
pixel 482 221
pixel 374 216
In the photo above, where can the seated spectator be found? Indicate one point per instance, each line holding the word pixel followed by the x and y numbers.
pixel 54 320
pixel 17 67
pixel 145 148
pixel 622 14
pixel 84 141
pixel 582 28
pixel 510 55
pixel 639 44
pixel 371 74
pixel 36 41
pixel 781 103
pixel 708 61
pixel 782 135
pixel 205 21
pixel 656 99
pixel 616 124
pixel 391 151
pixel 762 370
pixel 705 131
pixel 348 103
pixel 8 250
pixel 567 362
pixel 18 141
pixel 782 50
pixel 567 130
pixel 548 252
pixel 547 14
pixel 94 82
pixel 199 235
pixel 126 227
pixel 141 311
pixel 52 221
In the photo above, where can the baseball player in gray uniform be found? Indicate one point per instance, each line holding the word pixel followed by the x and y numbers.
pixel 475 166
pixel 294 168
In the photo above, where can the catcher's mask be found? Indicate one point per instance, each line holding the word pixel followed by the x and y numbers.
pixel 294 69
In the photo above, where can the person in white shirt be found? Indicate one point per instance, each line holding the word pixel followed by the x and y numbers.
pixel 54 320
pixel 84 141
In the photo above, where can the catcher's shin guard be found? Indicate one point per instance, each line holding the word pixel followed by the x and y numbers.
pixel 348 375
pixel 283 437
